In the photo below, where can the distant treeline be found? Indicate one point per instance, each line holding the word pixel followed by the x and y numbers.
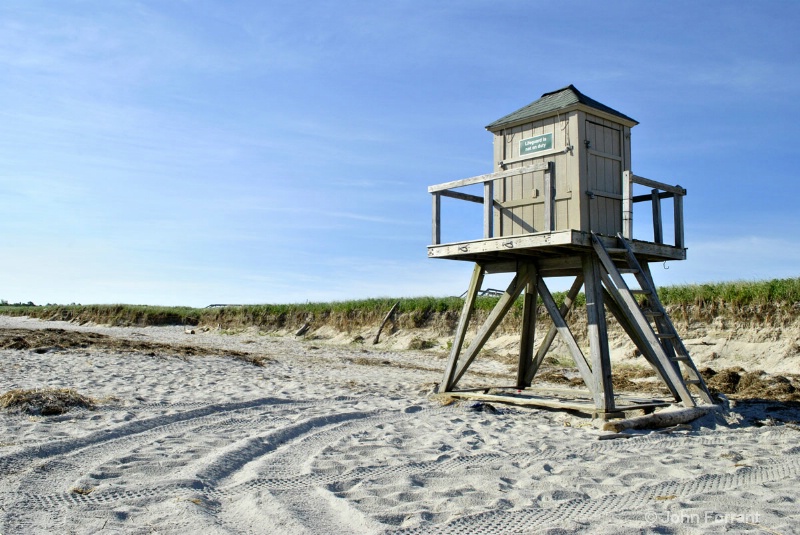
pixel 696 300
pixel 4 303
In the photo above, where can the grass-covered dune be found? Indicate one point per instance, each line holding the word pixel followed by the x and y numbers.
pixel 775 301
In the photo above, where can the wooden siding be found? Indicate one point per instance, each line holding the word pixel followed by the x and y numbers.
pixel 522 197
pixel 605 163
pixel 588 181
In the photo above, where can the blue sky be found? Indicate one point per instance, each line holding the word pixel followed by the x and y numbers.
pixel 195 152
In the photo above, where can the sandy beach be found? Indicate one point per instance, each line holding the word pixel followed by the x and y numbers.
pixel 252 433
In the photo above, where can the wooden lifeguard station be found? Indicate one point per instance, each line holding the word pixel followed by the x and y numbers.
pixel 560 203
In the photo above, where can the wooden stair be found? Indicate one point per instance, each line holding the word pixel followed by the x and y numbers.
pixel 658 341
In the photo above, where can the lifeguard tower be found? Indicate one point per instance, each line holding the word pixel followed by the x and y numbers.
pixel 560 203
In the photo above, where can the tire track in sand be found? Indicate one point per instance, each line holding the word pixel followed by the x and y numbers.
pixel 61 463
pixel 592 509
pixel 273 462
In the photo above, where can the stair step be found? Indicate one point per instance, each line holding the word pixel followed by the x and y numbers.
pixel 680 359
pixel 628 270
pixel 653 313
pixel 666 335
pixel 615 250
pixel 694 382
pixel 642 292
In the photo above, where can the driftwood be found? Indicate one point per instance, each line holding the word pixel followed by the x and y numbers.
pixel 383 323
pixel 660 419
pixel 303 330
pixel 613 436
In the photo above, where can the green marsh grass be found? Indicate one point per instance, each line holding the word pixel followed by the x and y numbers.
pixel 414 311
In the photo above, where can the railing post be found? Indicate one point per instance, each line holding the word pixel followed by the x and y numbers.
pixel 658 232
pixel 678 205
pixel 550 197
pixel 437 218
pixel 627 205
pixel 488 205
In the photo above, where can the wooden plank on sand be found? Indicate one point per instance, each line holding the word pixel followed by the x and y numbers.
pixel 660 419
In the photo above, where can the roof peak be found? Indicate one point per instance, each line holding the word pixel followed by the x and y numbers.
pixel 569 87
pixel 553 101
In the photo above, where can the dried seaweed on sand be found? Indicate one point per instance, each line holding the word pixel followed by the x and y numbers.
pixel 45 401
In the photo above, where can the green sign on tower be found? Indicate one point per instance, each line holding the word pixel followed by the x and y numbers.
pixel 535 144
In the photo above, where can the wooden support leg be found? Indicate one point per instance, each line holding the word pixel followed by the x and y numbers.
pixel 528 334
pixel 525 274
pixel 551 334
pixel 461 330
pixel 598 335
pixel 566 335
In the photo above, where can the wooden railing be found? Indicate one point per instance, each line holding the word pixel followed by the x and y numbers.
pixel 659 191
pixel 444 190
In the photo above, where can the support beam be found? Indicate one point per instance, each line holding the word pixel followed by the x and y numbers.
pixel 678 209
pixel 627 205
pixel 544 347
pixel 460 196
pixel 463 322
pixel 598 335
pixel 566 335
pixel 646 182
pixel 488 209
pixel 525 274
pixel 550 197
pixel 658 230
pixel 437 219
pixel 526 343
pixel 649 198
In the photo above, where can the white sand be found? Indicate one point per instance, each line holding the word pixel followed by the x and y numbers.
pixel 328 439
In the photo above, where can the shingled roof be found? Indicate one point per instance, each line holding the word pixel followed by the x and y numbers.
pixel 553 101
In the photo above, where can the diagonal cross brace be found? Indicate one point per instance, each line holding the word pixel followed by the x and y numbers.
pixel 525 274
pixel 544 347
pixel 566 336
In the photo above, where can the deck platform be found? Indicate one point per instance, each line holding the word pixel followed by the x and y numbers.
pixel 555 251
